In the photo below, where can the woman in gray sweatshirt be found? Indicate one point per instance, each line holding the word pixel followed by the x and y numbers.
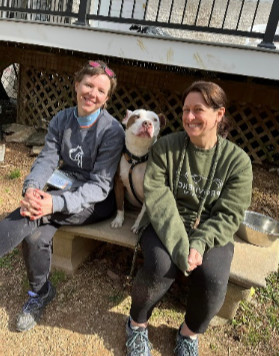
pixel 77 166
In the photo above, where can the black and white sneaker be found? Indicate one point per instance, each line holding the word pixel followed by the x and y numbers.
pixel 137 343
pixel 185 346
pixel 33 308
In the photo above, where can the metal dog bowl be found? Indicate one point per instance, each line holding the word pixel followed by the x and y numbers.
pixel 258 229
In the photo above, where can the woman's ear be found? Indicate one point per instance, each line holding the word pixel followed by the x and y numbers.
pixel 104 106
pixel 220 114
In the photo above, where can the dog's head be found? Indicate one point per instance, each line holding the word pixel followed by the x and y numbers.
pixel 143 123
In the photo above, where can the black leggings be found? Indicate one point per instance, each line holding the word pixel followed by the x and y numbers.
pixel 207 288
pixel 36 236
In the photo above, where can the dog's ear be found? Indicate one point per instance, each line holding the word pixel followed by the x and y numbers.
pixel 127 116
pixel 162 120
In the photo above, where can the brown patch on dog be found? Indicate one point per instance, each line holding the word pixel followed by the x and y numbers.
pixel 132 120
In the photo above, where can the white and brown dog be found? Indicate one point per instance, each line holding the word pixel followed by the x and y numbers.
pixel 142 129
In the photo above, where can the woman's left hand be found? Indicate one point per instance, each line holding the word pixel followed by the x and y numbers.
pixel 45 202
pixel 194 259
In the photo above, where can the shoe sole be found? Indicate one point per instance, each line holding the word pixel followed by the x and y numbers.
pixel 31 326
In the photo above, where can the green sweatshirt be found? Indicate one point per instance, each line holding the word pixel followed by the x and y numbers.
pixel 177 180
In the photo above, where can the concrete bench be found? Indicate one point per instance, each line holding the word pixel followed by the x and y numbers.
pixel 250 267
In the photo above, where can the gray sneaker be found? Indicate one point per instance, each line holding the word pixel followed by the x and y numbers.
pixel 137 343
pixel 33 308
pixel 185 346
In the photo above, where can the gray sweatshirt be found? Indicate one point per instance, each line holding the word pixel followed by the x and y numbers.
pixel 90 155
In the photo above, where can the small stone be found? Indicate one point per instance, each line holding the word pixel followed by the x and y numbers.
pixel 37 138
pixel 2 152
pixel 17 133
pixel 112 275
pixel 35 150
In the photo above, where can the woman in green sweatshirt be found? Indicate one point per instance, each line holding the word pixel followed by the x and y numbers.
pixel 197 186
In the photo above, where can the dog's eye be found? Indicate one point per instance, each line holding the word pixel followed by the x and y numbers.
pixel 155 119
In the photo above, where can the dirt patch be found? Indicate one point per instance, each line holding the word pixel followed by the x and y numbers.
pixel 87 318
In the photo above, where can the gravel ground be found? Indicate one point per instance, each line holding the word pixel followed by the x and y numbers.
pixel 88 315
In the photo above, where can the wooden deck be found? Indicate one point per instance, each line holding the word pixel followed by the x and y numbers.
pixel 249 61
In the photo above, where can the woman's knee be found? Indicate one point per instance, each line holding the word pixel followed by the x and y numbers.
pixel 33 240
pixel 208 282
pixel 157 261
pixel 40 239
pixel 13 229
pixel 215 268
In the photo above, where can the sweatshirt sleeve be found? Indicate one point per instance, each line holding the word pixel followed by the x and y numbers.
pixel 97 188
pixel 161 205
pixel 228 211
pixel 47 160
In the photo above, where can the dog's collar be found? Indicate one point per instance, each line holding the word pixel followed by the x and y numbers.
pixel 131 158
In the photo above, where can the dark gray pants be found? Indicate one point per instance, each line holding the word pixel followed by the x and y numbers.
pixel 36 236
pixel 207 283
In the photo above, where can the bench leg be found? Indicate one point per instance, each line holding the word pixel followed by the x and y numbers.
pixel 69 251
pixel 233 298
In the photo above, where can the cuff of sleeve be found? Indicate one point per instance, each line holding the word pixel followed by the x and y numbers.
pixel 26 186
pixel 58 203
pixel 199 246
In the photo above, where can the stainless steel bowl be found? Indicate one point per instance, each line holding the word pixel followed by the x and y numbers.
pixel 258 229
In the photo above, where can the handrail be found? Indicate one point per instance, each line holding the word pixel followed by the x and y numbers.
pixel 212 17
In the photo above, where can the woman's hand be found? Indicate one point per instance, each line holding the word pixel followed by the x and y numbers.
pixel 46 203
pixel 31 203
pixel 36 203
pixel 194 259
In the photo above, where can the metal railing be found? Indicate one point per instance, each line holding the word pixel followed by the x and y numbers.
pixel 250 19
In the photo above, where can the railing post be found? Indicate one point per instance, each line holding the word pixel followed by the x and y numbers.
pixel 84 8
pixel 271 27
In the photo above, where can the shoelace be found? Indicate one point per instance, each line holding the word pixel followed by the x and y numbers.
pixel 33 300
pixel 188 346
pixel 138 341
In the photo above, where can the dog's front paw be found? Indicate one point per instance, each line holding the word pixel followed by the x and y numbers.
pixel 118 221
pixel 135 227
